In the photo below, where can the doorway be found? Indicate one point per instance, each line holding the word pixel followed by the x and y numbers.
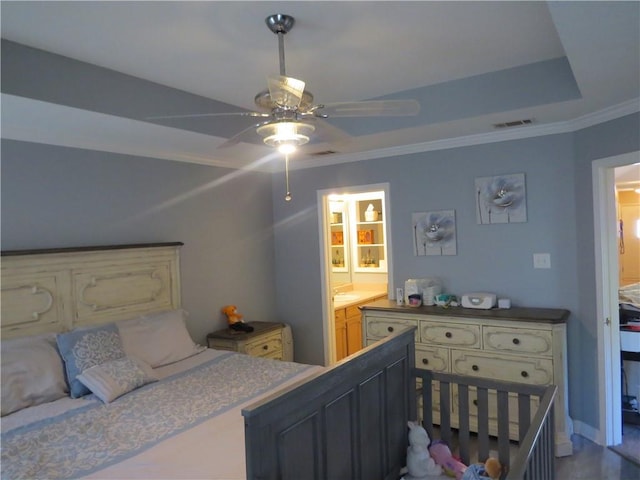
pixel 607 244
pixel 355 251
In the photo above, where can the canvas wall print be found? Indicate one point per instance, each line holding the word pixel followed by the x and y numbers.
pixel 434 233
pixel 501 199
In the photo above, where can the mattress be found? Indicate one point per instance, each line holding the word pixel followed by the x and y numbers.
pixel 187 425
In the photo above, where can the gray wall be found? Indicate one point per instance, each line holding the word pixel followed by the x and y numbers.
pixel 263 255
pixel 64 197
pixel 495 258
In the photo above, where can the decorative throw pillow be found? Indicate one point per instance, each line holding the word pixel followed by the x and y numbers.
pixel 114 378
pixel 81 349
pixel 32 373
pixel 158 339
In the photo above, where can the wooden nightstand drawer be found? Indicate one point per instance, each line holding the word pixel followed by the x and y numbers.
pixel 269 346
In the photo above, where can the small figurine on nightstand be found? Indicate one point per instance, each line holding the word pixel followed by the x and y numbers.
pixel 234 318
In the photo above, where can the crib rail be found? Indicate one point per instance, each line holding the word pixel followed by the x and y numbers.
pixel 535 457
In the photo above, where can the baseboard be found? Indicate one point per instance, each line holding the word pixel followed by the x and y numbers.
pixel 588 432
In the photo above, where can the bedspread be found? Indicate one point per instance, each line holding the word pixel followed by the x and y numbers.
pixel 91 438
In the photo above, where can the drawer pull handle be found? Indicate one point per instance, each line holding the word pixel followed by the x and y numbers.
pixel 265 347
pixel 475 368
pixel 475 402
pixel 524 374
pixel 448 334
pixel 425 361
pixel 390 329
pixel 516 341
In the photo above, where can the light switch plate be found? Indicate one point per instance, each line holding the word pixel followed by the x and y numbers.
pixel 541 260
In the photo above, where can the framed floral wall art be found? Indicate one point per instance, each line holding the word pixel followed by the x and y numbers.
pixel 434 233
pixel 501 199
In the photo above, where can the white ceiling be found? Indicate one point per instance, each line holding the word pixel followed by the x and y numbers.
pixel 345 51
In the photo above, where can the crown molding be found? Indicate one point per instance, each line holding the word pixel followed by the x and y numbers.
pixel 516 133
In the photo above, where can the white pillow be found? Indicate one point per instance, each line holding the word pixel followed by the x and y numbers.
pixel 32 373
pixel 158 339
pixel 114 378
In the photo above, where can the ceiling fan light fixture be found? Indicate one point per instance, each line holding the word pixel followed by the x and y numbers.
pixel 286 136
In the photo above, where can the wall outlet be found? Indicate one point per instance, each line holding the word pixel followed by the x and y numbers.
pixel 541 260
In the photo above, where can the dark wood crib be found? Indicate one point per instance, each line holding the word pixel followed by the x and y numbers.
pixel 350 421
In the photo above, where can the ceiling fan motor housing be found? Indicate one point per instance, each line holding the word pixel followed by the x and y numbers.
pixel 280 23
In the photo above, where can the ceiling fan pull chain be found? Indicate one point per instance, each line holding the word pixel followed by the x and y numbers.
pixel 287 197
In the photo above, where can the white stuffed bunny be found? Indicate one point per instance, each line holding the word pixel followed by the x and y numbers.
pixel 420 464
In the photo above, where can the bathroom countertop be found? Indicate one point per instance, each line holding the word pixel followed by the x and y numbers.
pixel 363 295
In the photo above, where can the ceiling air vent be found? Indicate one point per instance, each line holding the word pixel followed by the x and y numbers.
pixel 515 123
pixel 324 152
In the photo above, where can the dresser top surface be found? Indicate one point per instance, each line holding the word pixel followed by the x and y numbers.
pixel 520 314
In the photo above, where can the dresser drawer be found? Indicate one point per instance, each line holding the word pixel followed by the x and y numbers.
pixel 509 368
pixel 432 358
pixel 517 340
pixel 268 346
pixel 450 334
pixel 379 327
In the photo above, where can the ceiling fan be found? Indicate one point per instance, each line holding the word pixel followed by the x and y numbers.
pixel 290 118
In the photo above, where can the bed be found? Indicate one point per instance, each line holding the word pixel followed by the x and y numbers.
pixel 164 407
pixel 629 303
pixel 630 294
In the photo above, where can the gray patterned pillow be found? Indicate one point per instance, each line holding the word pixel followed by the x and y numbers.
pixel 83 348
pixel 113 379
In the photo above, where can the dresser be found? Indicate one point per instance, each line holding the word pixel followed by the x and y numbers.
pixel 526 345
pixel 269 340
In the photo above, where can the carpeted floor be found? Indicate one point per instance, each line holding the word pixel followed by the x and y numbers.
pixel 630 447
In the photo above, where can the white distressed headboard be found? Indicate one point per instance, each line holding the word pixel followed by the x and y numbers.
pixel 59 289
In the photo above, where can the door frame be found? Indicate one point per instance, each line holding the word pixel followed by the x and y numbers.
pixel 606 270
pixel 325 257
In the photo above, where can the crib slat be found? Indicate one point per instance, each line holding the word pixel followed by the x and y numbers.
pixel 427 401
pixel 503 427
pixel 463 422
pixel 483 424
pixel 445 412
pixel 524 415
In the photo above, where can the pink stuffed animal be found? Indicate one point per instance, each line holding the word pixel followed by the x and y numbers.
pixel 441 453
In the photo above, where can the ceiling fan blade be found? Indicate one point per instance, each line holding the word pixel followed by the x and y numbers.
pixel 202 115
pixel 247 133
pixel 325 132
pixel 285 91
pixel 369 108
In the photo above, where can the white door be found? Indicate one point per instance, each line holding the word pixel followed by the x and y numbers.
pixel 607 274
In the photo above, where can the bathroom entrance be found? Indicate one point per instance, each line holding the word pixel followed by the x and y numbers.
pixel 355 254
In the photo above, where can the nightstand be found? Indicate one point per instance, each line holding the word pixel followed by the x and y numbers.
pixel 267 340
